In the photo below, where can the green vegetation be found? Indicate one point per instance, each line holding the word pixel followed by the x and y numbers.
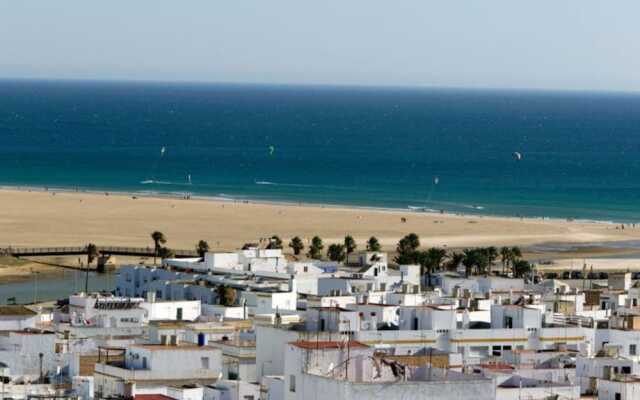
pixel 336 252
pixel 274 242
pixel 202 247
pixel 350 244
pixel 315 249
pixel 165 252
pixel 477 261
pixel 92 253
pixel 373 244
pixel 431 261
pixel 297 245
pixel 158 240
pixel 407 250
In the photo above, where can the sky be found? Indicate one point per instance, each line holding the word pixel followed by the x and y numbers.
pixel 541 44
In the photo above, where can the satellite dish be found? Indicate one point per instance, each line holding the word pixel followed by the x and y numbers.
pixel 517 156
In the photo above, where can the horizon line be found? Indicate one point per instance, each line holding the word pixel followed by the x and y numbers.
pixel 319 85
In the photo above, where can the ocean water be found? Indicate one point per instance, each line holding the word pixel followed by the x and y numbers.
pixel 441 149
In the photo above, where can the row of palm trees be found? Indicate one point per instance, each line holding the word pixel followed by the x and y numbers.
pixel 335 251
pixel 475 260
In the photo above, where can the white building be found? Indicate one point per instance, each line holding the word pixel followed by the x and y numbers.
pixel 17 318
pixel 150 365
pixel 105 311
pixel 348 370
pixel 185 310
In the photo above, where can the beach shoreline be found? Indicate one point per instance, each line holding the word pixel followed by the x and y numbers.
pixel 35 217
pixel 38 215
pixel 248 200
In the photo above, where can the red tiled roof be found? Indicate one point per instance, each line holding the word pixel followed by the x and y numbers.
pixel 325 345
pixel 152 397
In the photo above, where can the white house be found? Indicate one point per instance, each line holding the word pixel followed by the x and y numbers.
pixel 147 364
pixel 105 311
pixel 14 318
pixel 184 310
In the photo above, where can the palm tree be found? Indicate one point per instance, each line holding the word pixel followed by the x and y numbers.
pixel 492 254
pixel 158 240
pixel 165 252
pixel 475 259
pixel 336 252
pixel 516 255
pixel 350 244
pixel 407 249
pixel 505 256
pixel 373 244
pixel 521 268
pixel 275 242
pixel 297 245
pixel 315 249
pixel 469 261
pixel 430 261
pixel 202 247
pixel 92 254
pixel 454 261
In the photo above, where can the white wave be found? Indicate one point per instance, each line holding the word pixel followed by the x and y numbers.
pixel 298 185
pixel 422 209
pixel 154 182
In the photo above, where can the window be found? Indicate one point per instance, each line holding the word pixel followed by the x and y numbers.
pixel 248 397
pixel 618 396
pixel 292 383
pixel 204 362
pixel 508 322
pixel 305 269
pixel 144 362
pixel 632 349
pixel 626 370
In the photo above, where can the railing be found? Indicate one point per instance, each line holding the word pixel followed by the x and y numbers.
pixel 118 250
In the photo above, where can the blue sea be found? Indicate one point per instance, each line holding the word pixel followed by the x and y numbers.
pixel 498 152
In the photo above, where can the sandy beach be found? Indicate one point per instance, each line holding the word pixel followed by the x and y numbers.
pixel 47 218
pixel 40 218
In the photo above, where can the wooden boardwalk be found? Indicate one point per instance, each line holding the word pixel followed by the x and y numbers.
pixel 104 250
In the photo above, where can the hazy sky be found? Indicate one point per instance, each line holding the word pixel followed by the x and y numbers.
pixel 560 44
